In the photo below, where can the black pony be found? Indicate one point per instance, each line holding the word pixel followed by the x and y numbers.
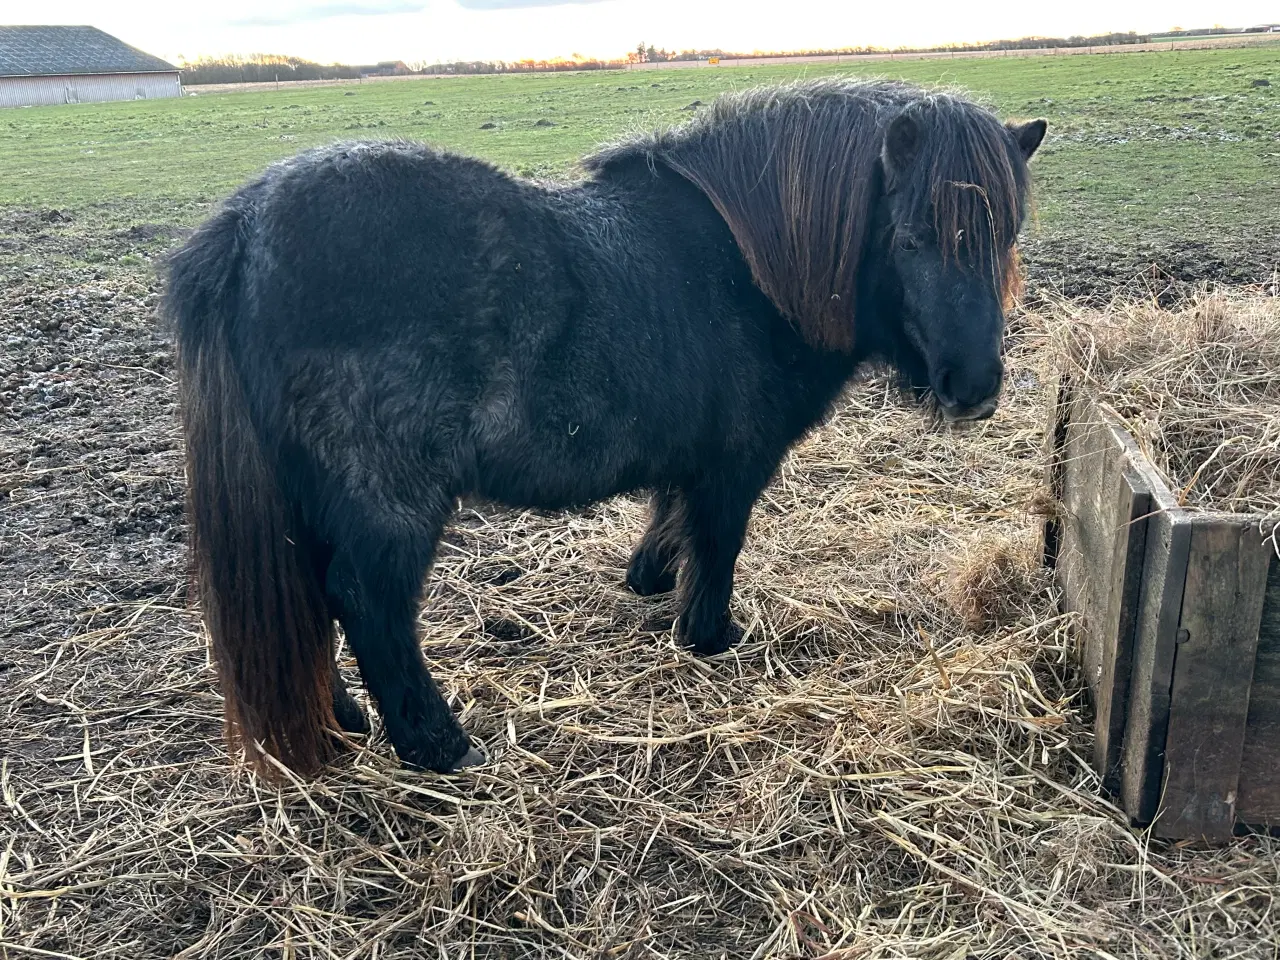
pixel 371 331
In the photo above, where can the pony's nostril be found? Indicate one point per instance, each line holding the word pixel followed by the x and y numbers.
pixel 967 386
pixel 943 390
pixel 996 383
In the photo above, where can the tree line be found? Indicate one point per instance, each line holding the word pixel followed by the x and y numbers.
pixel 269 67
pixel 648 54
pixel 262 68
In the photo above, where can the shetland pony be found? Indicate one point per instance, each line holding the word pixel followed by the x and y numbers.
pixel 370 331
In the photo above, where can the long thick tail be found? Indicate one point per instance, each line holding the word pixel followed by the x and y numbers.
pixel 260 592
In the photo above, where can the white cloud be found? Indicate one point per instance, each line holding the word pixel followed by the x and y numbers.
pixel 325 11
pixel 512 4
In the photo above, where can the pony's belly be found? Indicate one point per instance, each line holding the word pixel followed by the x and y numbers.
pixel 559 472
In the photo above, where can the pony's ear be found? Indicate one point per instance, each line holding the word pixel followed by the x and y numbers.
pixel 901 143
pixel 1028 135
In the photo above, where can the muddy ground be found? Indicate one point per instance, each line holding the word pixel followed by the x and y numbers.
pixel 92 563
pixel 90 454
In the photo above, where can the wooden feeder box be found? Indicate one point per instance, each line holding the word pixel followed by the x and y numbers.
pixel 1180 633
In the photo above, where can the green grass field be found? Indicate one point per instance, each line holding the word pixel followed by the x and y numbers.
pixel 1140 143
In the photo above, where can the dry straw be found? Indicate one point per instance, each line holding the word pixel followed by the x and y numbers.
pixel 1198 386
pixel 891 765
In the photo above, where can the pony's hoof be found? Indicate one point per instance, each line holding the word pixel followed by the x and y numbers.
pixel 472 758
pixel 436 750
pixel 647 579
pixel 349 715
pixel 727 638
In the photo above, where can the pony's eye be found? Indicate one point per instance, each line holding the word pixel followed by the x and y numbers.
pixel 909 244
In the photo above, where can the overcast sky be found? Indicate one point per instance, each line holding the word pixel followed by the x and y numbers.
pixel 366 31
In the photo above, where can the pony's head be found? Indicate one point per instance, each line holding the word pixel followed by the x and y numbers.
pixel 952 202
pixel 845 196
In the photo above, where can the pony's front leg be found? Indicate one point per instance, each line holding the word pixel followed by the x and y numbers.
pixel 716 514
pixel 657 558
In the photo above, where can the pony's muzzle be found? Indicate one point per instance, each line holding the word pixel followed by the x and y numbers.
pixel 969 391
pixel 968 414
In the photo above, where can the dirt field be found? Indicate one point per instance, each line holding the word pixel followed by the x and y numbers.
pixel 891 765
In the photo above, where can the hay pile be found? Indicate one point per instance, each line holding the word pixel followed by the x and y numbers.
pixel 1198 386
pixel 892 764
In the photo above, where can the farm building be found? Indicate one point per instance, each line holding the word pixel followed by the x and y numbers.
pixel 387 68
pixel 47 65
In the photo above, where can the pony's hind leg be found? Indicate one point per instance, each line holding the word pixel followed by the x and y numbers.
pixel 346 710
pixel 375 583
pixel 716 512
pixel 657 557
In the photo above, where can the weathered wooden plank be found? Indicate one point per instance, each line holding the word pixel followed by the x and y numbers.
pixel 1213 668
pixel 1054 450
pixel 1151 685
pixel 1132 505
pixel 1259 803
pixel 1099 566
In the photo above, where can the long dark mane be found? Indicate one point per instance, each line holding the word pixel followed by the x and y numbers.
pixel 795 172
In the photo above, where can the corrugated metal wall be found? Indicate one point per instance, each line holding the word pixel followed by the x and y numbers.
pixel 92 88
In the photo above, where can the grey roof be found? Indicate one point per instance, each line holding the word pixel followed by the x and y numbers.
pixel 58 51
